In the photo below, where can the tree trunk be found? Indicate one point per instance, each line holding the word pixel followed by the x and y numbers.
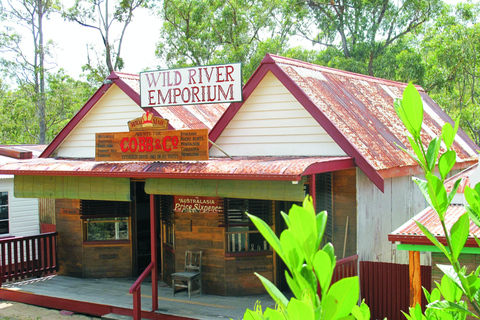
pixel 41 70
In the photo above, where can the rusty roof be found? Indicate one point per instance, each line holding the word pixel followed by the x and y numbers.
pixel 246 168
pixel 358 113
pixel 410 233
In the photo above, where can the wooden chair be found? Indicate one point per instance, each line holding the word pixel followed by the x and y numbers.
pixel 192 274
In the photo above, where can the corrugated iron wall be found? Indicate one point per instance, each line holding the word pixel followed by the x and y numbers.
pixel 385 288
pixel 46 208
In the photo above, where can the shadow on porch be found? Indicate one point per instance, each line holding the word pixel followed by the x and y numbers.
pixel 100 297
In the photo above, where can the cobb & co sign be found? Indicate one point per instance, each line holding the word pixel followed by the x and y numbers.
pixel 195 85
pixel 197 204
pixel 148 141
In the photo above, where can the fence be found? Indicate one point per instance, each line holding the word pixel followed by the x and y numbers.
pixel 385 288
pixel 346 267
pixel 24 257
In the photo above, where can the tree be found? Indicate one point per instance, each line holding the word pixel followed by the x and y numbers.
pixel 201 32
pixel 105 16
pixel 451 49
pixel 28 72
pixel 361 30
pixel 64 97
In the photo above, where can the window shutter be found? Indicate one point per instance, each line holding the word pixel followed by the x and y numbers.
pixel 165 207
pixel 104 209
pixel 235 211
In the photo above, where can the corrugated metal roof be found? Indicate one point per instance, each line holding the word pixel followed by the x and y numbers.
pixel 35 149
pixel 361 108
pixel 410 233
pixel 249 168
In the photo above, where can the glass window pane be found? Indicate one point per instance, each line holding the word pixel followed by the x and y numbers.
pixel 4 198
pixel 3 227
pixel 108 230
pixel 3 212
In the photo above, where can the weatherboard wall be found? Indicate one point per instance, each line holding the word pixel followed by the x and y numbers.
pixel 379 213
pixel 23 213
pixel 110 114
pixel 271 122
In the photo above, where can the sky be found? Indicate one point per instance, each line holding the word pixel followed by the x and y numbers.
pixel 138 49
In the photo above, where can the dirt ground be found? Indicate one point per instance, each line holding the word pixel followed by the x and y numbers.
pixel 10 310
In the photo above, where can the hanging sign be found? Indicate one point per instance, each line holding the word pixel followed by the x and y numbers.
pixel 197 204
pixel 155 145
pixel 194 85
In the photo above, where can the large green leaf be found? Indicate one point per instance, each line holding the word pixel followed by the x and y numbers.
pixel 432 153
pixel 453 192
pixel 450 306
pixel 304 229
pixel 273 291
pixel 451 285
pixel 341 298
pixel 419 156
pixel 432 238
pixel 438 194
pixel 272 314
pixel 323 269
pixel 423 185
pixel 252 315
pixel 293 255
pixel 448 135
pixel 459 234
pixel 446 163
pixel 410 110
pixel 268 234
pixel 300 310
pixel 473 199
pixel 321 223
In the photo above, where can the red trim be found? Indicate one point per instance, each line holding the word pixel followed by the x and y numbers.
pixel 75 120
pixel 269 64
pixel 132 94
pixel 423 240
pixel 336 165
pixel 81 307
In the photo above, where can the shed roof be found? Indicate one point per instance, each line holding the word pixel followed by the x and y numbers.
pixel 410 233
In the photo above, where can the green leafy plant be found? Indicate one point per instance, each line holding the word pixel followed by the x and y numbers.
pixel 444 301
pixel 309 271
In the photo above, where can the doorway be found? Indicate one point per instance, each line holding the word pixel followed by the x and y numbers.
pixel 141 244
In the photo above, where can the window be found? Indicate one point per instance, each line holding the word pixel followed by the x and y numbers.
pixel 105 220
pixel 242 235
pixel 4 228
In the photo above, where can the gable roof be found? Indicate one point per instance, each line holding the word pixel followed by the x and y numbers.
pixel 180 117
pixel 357 112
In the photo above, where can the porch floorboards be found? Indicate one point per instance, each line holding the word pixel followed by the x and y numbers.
pixel 114 292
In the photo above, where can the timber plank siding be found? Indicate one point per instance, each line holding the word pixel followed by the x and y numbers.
pixel 91 260
pixel 70 237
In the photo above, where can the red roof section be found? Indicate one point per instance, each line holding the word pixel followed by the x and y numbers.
pixel 357 111
pixel 240 168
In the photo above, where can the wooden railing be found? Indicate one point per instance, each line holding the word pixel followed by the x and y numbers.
pixel 23 257
pixel 135 289
pixel 346 267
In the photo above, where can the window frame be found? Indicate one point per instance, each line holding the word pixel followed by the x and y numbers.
pixel 7 205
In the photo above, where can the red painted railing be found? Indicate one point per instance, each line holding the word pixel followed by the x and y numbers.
pixel 135 289
pixel 346 267
pixel 24 257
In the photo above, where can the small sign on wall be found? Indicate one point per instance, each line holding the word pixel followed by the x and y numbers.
pixel 197 204
pixel 193 85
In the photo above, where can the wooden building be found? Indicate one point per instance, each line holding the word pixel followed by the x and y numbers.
pixel 19 217
pixel 301 129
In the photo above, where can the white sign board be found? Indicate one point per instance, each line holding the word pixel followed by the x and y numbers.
pixel 194 85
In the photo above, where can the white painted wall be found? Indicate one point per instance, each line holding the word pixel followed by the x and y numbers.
pixel 272 122
pixel 381 213
pixel 23 212
pixel 111 114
